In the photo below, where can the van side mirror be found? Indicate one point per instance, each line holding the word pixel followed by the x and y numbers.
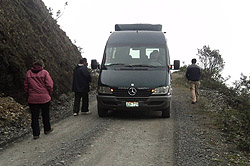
pixel 94 64
pixel 176 64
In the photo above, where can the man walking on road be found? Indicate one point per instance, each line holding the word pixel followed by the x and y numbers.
pixel 193 74
pixel 81 80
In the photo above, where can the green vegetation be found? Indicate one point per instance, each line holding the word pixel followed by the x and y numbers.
pixel 233 118
pixel 212 63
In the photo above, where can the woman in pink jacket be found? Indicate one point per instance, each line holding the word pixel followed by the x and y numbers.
pixel 39 85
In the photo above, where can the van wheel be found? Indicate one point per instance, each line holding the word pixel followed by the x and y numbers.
pixel 166 113
pixel 102 112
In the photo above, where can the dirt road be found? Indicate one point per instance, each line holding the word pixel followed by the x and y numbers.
pixel 123 139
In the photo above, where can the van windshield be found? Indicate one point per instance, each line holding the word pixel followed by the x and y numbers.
pixel 135 56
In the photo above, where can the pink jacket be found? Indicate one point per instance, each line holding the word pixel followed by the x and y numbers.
pixel 38 85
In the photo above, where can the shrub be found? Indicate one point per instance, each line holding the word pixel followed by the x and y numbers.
pixel 236 119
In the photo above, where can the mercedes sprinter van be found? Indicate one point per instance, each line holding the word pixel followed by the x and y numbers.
pixel 135 70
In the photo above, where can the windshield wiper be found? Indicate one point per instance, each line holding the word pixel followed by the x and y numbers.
pixel 119 64
pixel 116 64
pixel 143 66
pixel 127 65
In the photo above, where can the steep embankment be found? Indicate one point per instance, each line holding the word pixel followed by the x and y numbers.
pixel 28 32
pixel 200 131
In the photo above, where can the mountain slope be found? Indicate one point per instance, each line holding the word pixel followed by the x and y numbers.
pixel 28 32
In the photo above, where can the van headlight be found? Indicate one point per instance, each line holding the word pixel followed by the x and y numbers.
pixel 105 90
pixel 161 90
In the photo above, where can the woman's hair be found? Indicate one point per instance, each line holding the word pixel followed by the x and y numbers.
pixel 38 63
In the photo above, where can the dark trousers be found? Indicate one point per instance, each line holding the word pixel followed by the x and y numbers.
pixel 85 102
pixel 35 112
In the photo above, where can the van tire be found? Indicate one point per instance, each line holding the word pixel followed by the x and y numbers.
pixel 166 113
pixel 102 112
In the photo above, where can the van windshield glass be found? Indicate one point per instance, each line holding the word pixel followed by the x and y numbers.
pixel 135 56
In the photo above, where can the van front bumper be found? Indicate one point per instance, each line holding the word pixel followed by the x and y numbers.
pixel 154 103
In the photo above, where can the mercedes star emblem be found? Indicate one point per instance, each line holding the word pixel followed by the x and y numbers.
pixel 132 91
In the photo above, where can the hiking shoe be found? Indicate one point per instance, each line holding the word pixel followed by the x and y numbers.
pixel 75 114
pixel 86 113
pixel 47 132
pixel 193 102
pixel 35 137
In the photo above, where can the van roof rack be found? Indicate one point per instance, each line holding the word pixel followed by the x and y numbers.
pixel 137 27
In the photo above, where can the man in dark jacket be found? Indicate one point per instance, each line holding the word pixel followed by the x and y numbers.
pixel 80 86
pixel 193 74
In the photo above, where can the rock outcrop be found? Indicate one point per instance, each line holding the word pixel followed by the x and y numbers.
pixel 28 32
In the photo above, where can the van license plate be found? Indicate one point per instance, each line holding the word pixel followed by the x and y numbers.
pixel 132 104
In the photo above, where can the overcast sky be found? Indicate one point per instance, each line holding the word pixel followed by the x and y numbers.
pixel 189 25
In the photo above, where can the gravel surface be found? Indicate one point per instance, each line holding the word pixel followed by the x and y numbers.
pixel 15 118
pixel 124 138
pixel 191 145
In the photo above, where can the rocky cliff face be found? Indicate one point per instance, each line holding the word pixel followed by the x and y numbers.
pixel 28 32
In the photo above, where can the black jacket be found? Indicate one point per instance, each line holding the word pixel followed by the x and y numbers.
pixel 193 73
pixel 81 79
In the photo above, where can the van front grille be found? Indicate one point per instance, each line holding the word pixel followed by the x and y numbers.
pixel 139 93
